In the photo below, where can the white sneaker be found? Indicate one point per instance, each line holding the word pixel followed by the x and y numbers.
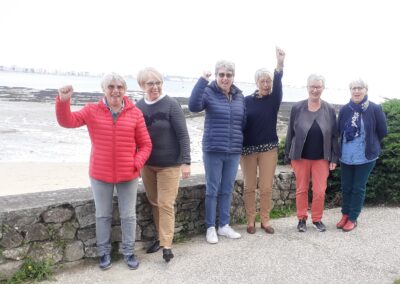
pixel 212 237
pixel 228 232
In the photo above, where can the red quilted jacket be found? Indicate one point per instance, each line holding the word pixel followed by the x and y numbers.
pixel 120 149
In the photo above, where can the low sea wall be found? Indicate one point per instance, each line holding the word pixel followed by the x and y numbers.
pixel 60 225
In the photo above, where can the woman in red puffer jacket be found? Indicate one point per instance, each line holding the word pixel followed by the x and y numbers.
pixel 120 147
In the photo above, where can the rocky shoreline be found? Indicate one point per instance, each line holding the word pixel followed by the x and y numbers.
pixel 21 94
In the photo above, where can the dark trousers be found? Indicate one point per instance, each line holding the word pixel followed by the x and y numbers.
pixel 354 181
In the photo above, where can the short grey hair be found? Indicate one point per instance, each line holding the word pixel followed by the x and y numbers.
pixel 316 77
pixel 228 65
pixel 261 73
pixel 108 78
pixel 359 83
pixel 144 74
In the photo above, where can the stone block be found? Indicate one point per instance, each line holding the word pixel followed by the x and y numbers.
pixel 86 215
pixel 116 234
pixel 74 251
pixel 19 220
pixel 37 232
pixel 67 231
pixel 46 251
pixel 9 268
pixel 144 212
pixel 90 252
pixel 276 194
pixel 16 253
pixel 116 220
pixel 57 215
pixel 178 229
pixel 138 236
pixel 90 242
pixel 195 192
pixel 149 232
pixel 11 238
pixel 190 205
pixel 86 234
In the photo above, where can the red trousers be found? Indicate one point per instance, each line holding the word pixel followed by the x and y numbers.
pixel 317 171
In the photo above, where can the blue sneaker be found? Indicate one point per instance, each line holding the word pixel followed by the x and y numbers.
pixel 105 262
pixel 131 261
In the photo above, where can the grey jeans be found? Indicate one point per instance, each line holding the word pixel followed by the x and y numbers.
pixel 103 197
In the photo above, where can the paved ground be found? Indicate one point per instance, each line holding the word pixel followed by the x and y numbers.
pixel 369 254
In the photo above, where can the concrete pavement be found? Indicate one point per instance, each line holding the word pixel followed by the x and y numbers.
pixel 369 254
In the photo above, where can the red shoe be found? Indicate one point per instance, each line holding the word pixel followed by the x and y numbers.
pixel 342 221
pixel 349 226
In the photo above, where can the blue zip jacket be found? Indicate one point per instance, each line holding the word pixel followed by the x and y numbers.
pixel 375 127
pixel 224 120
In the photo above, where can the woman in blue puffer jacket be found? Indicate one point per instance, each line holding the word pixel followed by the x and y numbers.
pixel 224 122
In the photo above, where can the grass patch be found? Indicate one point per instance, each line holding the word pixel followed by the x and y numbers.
pixel 282 211
pixel 32 271
pixel 279 212
pixel 396 281
pixel 180 238
pixel 241 220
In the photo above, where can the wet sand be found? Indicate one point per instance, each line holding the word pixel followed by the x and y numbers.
pixel 26 177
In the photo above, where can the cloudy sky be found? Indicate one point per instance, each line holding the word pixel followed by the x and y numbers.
pixel 341 39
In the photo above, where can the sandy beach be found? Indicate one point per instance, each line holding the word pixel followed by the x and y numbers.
pixel 26 177
pixel 38 155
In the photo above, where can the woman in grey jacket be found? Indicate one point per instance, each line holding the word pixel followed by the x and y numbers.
pixel 312 148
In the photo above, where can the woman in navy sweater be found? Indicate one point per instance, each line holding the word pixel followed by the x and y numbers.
pixel 169 158
pixel 362 126
pixel 260 143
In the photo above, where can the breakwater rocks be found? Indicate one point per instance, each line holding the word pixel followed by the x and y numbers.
pixel 21 94
pixel 60 225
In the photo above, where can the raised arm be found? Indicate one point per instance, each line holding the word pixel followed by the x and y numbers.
pixel 277 83
pixel 197 102
pixel 65 117
pixel 280 59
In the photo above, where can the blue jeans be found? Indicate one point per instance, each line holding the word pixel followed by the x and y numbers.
pixel 220 170
pixel 103 198
pixel 354 181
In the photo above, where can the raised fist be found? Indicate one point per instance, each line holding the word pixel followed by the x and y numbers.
pixel 65 93
pixel 206 75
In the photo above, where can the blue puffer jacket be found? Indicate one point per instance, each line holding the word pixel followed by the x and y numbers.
pixel 224 120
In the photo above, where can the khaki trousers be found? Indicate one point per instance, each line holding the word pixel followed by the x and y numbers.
pixel 266 163
pixel 161 185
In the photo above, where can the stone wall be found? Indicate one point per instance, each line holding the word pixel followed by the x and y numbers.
pixel 60 225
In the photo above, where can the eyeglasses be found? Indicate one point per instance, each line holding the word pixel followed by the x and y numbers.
pixel 152 83
pixel 357 88
pixel 318 88
pixel 118 87
pixel 227 75
pixel 265 82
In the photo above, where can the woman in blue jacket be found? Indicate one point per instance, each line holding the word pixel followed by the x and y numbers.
pixel 362 126
pixel 224 121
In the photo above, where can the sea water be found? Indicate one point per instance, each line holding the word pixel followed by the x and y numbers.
pixel 29 131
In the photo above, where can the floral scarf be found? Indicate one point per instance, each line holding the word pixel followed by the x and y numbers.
pixel 352 126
